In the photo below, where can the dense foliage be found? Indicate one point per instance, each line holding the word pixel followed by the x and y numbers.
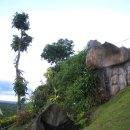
pixel 20 21
pixel 25 42
pixel 20 86
pixel 8 109
pixel 72 85
pixel 58 51
pixel 39 98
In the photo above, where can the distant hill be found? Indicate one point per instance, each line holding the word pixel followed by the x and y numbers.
pixel 113 115
pixel 8 108
pixel 9 102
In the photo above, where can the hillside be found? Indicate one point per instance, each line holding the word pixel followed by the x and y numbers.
pixel 8 108
pixel 114 115
pixel 9 102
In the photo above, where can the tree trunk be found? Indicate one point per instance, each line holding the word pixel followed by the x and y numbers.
pixel 18 104
pixel 17 77
pixel 18 74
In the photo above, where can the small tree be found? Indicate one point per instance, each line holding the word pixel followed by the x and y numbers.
pixel 58 51
pixel 20 44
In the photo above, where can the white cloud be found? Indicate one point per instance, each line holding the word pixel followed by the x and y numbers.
pixel 8 97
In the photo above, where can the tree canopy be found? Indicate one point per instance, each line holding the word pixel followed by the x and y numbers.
pixel 20 21
pixel 58 51
pixel 26 39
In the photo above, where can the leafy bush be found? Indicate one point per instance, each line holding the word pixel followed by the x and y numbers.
pixel 39 97
pixel 81 96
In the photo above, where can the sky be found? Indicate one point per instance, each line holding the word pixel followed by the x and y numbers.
pixel 50 20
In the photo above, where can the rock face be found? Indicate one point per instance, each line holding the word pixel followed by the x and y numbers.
pixel 106 55
pixel 113 66
pixel 53 118
pixel 93 43
pixel 115 78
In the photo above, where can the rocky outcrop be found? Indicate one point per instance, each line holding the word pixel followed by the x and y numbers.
pixel 112 65
pixel 115 78
pixel 93 43
pixel 106 55
pixel 53 118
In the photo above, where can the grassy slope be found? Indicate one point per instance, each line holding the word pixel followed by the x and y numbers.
pixel 8 109
pixel 114 115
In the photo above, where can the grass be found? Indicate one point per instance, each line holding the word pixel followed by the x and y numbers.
pixel 114 115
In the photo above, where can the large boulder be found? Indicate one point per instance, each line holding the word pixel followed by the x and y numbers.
pixel 112 65
pixel 53 118
pixel 105 55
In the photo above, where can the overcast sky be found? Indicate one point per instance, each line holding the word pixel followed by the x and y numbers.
pixel 50 20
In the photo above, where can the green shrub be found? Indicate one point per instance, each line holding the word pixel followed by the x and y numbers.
pixel 81 96
pixel 39 98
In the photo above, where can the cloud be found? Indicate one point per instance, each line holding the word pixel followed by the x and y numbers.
pixel 5 86
pixel 6 91
pixel 8 98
